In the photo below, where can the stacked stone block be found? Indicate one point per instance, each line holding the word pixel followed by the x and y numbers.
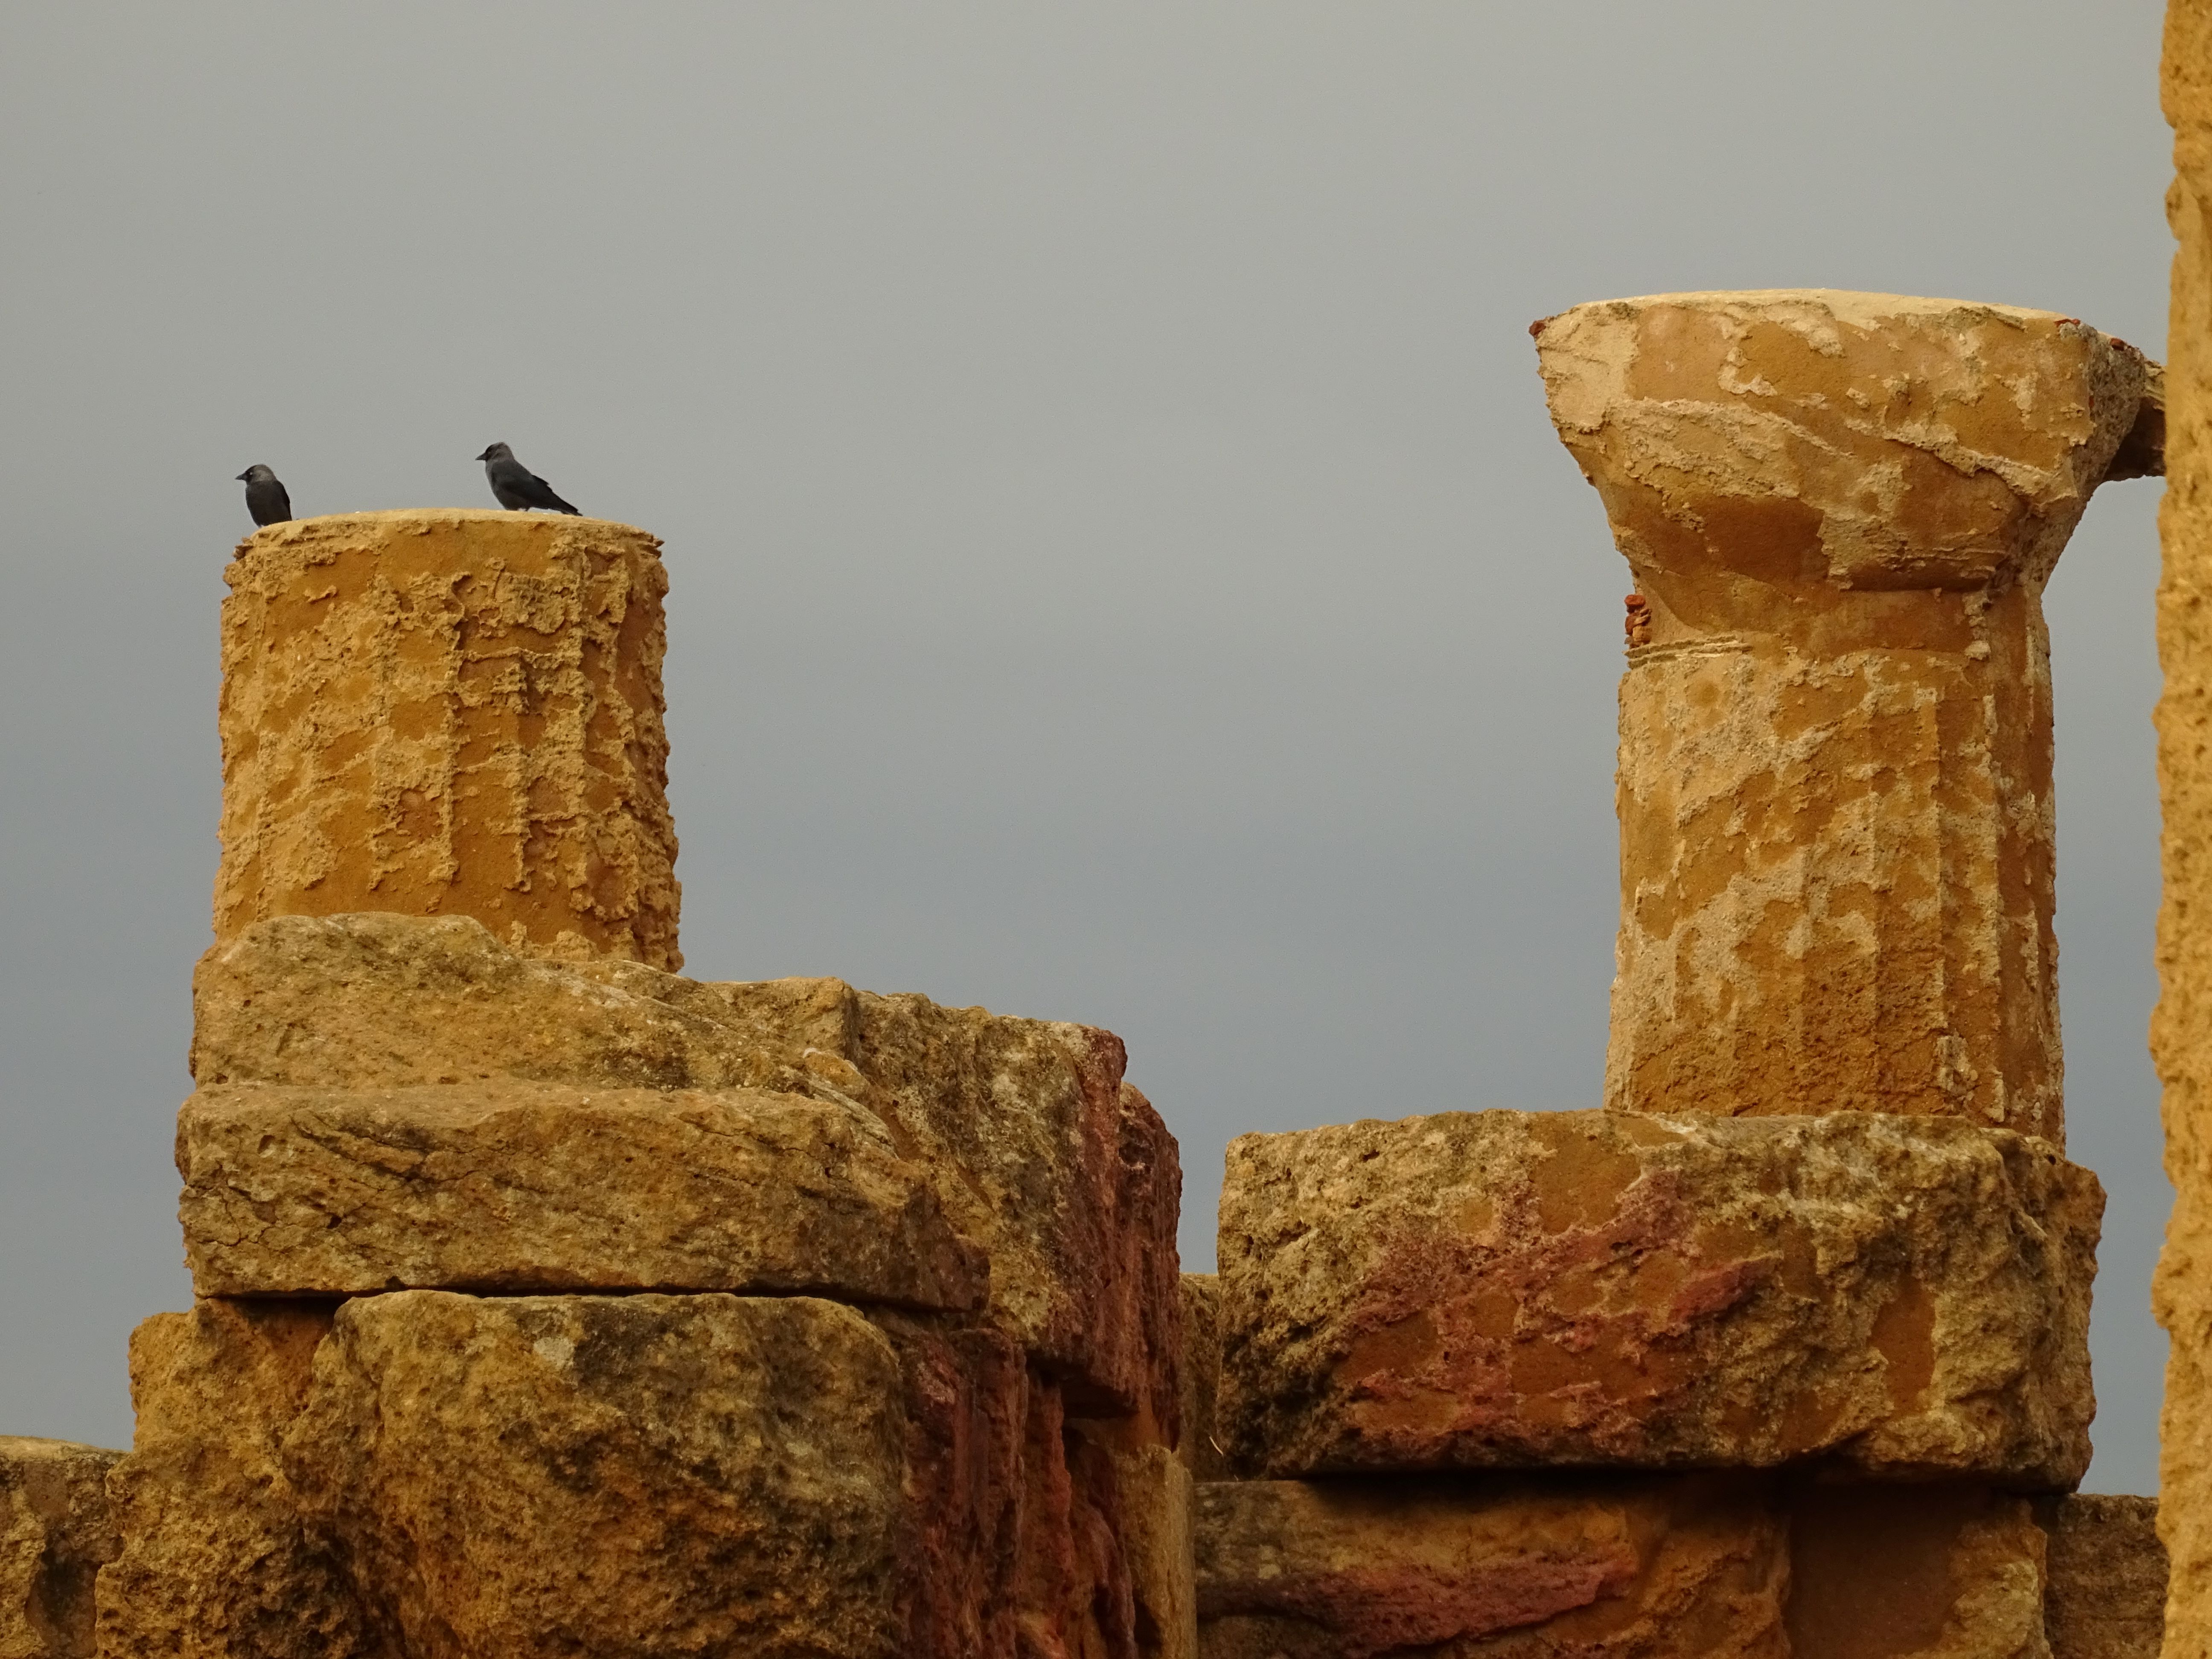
pixel 1784 1351
pixel 551 1302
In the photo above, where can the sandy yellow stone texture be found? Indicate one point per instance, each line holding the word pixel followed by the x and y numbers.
pixel 2181 1027
pixel 55 1532
pixel 450 712
pixel 1497 1568
pixel 1038 1152
pixel 1834 787
pixel 570 1477
pixel 1903 1571
pixel 215 1562
pixel 534 1186
pixel 1908 1297
pixel 2105 1598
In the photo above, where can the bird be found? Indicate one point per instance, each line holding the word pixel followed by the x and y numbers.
pixel 515 487
pixel 264 495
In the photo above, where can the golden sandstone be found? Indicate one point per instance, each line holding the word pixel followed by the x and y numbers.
pixel 1836 817
pixel 1533 1289
pixel 2181 1028
pixel 450 713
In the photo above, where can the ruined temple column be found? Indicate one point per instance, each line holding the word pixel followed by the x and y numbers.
pixel 1835 774
pixel 450 712
pixel 2181 1027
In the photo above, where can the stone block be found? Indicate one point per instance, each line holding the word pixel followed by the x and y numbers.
pixel 590 1475
pixel 967 1402
pixel 2105 1596
pixel 373 1001
pixel 56 1531
pixel 1201 1377
pixel 1493 1567
pixel 1903 1297
pixel 450 712
pixel 215 1562
pixel 528 1186
pixel 1902 1571
pixel 1039 1152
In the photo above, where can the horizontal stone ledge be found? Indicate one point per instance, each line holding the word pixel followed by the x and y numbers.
pixel 1903 1297
pixel 1658 1566
pixel 1036 1149
pixel 644 1475
pixel 525 1187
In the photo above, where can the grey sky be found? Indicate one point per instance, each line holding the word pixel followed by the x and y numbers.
pixel 1122 571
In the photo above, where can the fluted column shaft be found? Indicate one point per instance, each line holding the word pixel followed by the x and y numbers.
pixel 1835 769
pixel 450 713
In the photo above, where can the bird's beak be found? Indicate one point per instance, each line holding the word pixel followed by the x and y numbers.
pixel 485 456
pixel 241 477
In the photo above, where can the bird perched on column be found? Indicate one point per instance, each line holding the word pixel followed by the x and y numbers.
pixel 264 495
pixel 515 487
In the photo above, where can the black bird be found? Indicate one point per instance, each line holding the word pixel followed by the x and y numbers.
pixel 265 496
pixel 515 486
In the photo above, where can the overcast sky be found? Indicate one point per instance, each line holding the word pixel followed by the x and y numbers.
pixel 1122 570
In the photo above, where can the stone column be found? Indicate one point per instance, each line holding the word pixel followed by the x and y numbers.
pixel 1834 784
pixel 2181 1029
pixel 450 712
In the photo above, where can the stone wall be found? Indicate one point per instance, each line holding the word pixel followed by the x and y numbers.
pixel 560 1307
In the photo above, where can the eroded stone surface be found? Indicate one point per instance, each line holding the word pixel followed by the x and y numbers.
pixel 450 712
pixel 524 1186
pixel 55 1532
pixel 967 1404
pixel 1903 1571
pixel 1837 822
pixel 2181 1025
pixel 588 1475
pixel 1507 1289
pixel 215 1562
pixel 2105 1594
pixel 1039 1152
pixel 1201 1375
pixel 1473 1567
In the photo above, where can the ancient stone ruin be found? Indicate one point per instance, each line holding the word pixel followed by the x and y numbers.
pixel 548 1302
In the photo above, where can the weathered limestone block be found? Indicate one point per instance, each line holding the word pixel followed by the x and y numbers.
pixel 215 1562
pixel 380 1001
pixel 1157 1495
pixel 2106 1597
pixel 1512 1289
pixel 1039 1153
pixel 55 1532
pixel 1915 1572
pixel 531 1186
pixel 2181 1026
pixel 1201 1377
pixel 591 1475
pixel 967 1403
pixel 1128 1504
pixel 1495 1568
pixel 450 712
pixel 1835 797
